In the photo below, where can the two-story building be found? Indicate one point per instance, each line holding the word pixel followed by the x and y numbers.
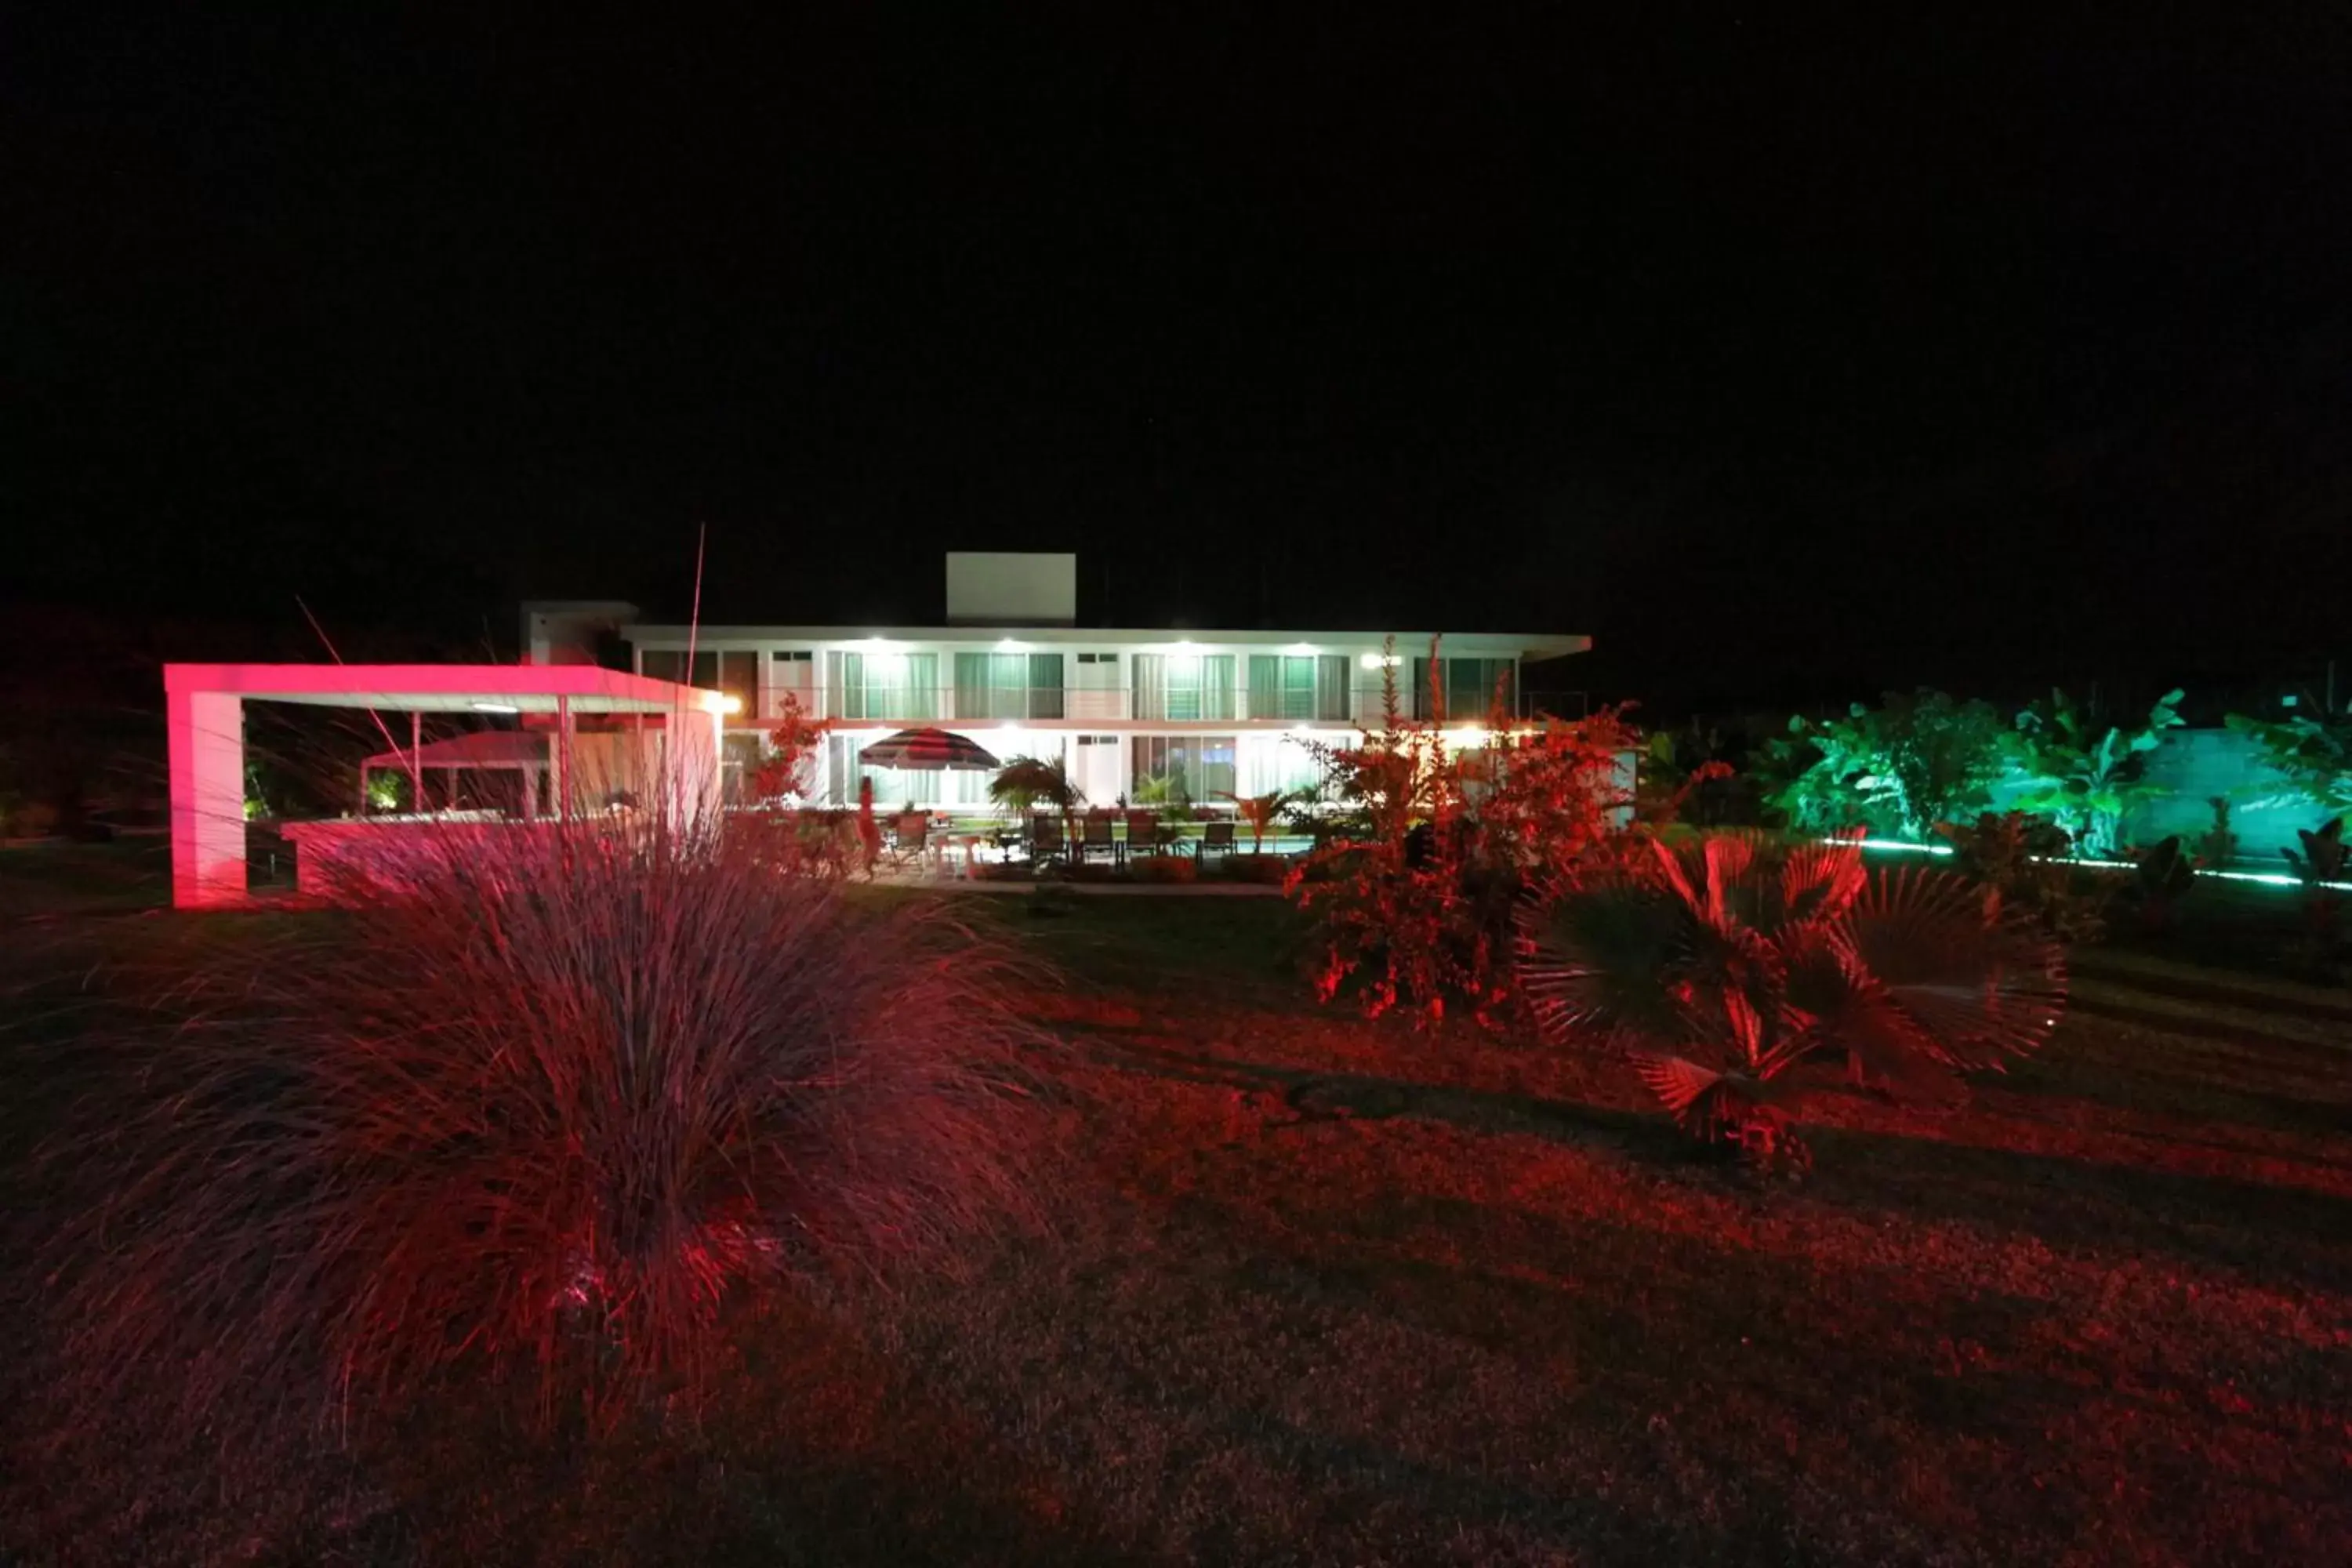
pixel 1211 712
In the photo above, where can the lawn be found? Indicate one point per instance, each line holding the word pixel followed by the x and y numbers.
pixel 1319 1291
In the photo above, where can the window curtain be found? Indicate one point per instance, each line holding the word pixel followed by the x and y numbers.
pixel 1466 693
pixel 1203 764
pixel 1219 699
pixel 884 685
pixel 1210 768
pixel 1008 686
pixel 835 703
pixel 1423 707
pixel 1332 677
pixel 1471 688
pixel 1272 762
pixel 1150 687
pixel 1045 682
pixel 1184 687
pixel 976 680
pixel 922 787
pixel 1298 688
pixel 917 692
pixel 1265 685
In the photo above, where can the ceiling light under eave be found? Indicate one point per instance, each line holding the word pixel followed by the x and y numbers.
pixel 494 708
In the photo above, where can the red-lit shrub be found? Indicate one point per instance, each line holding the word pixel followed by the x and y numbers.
pixel 1413 903
pixel 536 1121
pixel 1723 965
pixel 1163 868
pixel 796 748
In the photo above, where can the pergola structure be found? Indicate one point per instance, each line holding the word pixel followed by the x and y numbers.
pixel 206 716
pixel 529 753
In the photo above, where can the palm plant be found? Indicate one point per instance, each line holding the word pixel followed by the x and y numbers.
pixel 1025 782
pixel 1260 811
pixel 1165 794
pixel 1722 965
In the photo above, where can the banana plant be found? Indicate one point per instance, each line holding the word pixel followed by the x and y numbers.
pixel 2313 754
pixel 2087 778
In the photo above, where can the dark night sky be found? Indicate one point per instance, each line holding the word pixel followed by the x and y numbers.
pixel 1791 361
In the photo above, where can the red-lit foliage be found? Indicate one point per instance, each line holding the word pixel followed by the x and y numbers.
pixel 1332 1294
pixel 795 745
pixel 1414 904
pixel 536 1117
pixel 1723 965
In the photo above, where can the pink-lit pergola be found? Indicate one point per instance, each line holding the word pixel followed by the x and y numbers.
pixel 205 713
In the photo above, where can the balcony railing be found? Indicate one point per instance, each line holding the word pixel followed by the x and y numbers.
pixel 907 705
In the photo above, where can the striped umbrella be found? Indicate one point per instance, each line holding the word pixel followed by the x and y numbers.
pixel 928 751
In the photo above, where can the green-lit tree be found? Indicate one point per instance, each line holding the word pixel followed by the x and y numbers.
pixel 2313 754
pixel 1915 760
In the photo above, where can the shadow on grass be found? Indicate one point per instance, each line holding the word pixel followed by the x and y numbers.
pixel 2064 1200
pixel 2273 1231
pixel 2309 1029
pixel 1310 1096
pixel 819 1451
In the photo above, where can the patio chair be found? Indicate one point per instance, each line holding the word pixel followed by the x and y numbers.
pixel 1142 832
pixel 1216 838
pixel 1097 835
pixel 1045 837
pixel 909 837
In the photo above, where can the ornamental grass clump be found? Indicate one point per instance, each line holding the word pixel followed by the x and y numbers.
pixel 538 1114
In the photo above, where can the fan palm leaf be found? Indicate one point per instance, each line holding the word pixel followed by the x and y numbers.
pixel 1717 965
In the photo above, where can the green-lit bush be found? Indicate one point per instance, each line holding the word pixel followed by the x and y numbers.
pixel 2088 777
pixel 2021 861
pixel 1916 760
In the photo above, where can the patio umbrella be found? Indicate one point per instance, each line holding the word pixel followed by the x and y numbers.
pixel 928 751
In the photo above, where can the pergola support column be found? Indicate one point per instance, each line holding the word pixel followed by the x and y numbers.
pixel 206 737
pixel 692 778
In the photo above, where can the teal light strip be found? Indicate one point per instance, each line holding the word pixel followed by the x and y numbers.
pixel 2265 879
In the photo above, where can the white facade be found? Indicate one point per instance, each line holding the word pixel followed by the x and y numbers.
pixel 1217 712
